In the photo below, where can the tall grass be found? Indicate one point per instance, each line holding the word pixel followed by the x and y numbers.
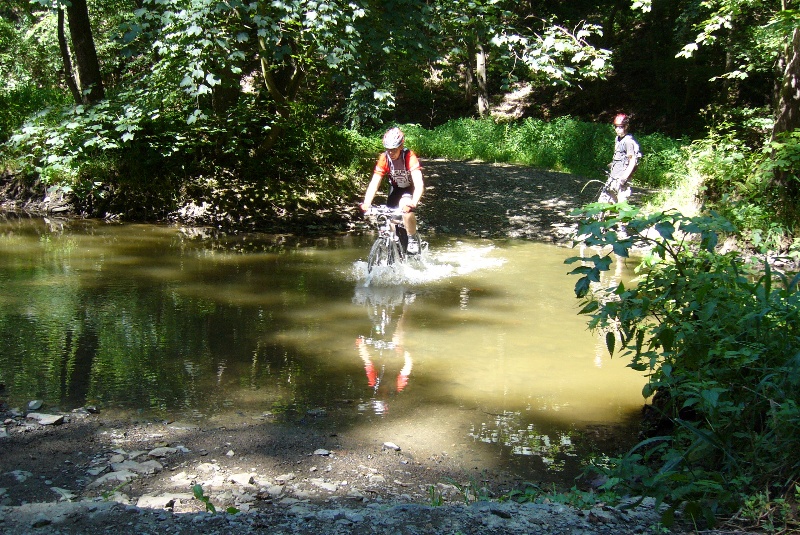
pixel 564 144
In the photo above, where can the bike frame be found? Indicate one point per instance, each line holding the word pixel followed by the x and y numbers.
pixel 389 247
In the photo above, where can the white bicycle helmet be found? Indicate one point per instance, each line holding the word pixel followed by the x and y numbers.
pixel 393 138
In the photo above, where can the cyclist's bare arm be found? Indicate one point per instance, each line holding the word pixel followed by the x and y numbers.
pixel 372 189
pixel 419 186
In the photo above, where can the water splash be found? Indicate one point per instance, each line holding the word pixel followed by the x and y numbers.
pixel 432 265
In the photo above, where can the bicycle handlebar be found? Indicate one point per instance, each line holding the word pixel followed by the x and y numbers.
pixel 383 210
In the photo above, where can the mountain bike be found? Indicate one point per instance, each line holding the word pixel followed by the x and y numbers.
pixel 390 245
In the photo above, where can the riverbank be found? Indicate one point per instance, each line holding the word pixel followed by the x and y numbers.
pixel 84 472
pixel 461 198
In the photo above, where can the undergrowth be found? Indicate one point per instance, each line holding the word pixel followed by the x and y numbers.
pixel 718 339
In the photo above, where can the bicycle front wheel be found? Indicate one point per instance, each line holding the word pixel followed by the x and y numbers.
pixel 378 255
pixel 384 252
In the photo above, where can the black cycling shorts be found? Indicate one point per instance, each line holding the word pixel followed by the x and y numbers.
pixel 393 201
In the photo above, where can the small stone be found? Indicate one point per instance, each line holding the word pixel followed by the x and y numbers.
pixel 208 467
pixel 35 405
pixel 46 419
pixel 283 479
pixel 155 502
pixel 330 487
pixel 146 468
pixel 322 452
pixel 63 494
pixel 161 452
pixel 242 479
pixel 20 476
pixel 122 476
pixel 354 517
pixel 391 446
pixel 274 490
pixel 96 471
pixel 40 522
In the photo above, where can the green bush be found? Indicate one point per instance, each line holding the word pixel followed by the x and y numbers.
pixel 740 184
pixel 138 158
pixel 17 104
pixel 719 340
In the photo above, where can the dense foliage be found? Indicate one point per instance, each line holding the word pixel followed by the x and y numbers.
pixel 718 340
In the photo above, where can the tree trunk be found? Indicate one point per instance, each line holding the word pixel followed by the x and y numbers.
pixel 480 73
pixel 90 80
pixel 469 75
pixel 788 117
pixel 787 120
pixel 66 57
pixel 283 95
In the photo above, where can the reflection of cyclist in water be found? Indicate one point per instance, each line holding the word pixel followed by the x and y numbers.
pixel 382 351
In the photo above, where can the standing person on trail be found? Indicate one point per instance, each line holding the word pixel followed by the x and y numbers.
pixel 405 182
pixel 626 156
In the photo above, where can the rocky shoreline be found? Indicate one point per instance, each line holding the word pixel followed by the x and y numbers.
pixel 83 472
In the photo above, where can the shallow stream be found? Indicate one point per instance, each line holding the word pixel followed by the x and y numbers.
pixel 476 350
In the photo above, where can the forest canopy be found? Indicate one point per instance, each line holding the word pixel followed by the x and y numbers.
pixel 101 96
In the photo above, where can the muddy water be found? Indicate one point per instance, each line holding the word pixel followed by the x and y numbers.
pixel 474 351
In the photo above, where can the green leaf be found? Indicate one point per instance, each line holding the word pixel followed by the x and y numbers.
pixel 620 249
pixel 582 287
pixel 611 341
pixel 665 229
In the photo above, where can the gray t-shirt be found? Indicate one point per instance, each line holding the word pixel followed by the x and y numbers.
pixel 624 150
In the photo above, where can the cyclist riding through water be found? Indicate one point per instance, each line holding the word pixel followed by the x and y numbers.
pixel 405 182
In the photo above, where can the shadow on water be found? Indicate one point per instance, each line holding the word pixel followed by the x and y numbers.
pixel 476 350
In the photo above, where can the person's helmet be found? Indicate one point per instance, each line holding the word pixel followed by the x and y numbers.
pixel 393 138
pixel 621 120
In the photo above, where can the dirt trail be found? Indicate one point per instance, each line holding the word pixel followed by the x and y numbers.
pixel 499 201
pixel 503 201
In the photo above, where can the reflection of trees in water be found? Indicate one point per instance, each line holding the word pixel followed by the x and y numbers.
pixel 509 430
pixel 382 350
